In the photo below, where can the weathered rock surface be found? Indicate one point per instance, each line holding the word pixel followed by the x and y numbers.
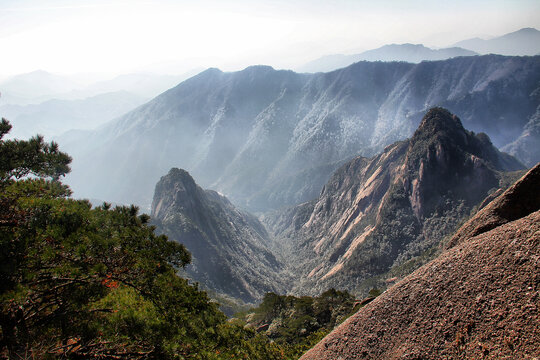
pixel 479 299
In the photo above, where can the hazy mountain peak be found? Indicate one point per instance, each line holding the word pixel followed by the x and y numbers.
pixel 528 30
pixel 211 70
pixel 259 68
pixel 412 53
pixel 525 41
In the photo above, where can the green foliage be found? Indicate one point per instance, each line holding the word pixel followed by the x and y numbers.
pixel 19 158
pixel 78 282
pixel 296 324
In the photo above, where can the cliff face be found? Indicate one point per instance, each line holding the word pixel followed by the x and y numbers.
pixel 225 243
pixel 376 214
pixel 270 138
pixel 478 299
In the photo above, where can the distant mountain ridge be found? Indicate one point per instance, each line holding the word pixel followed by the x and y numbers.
pixel 525 41
pixel 53 117
pixel 375 215
pixel 413 53
pixel 522 42
pixel 40 86
pixel 229 247
pixel 270 138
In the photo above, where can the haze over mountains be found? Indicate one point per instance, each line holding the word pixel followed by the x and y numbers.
pixel 269 138
pixel 39 86
pixel 522 42
pixel 413 53
pixel 54 117
pixel 50 104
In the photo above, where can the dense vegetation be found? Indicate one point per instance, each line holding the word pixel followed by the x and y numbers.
pixel 79 282
pixel 296 324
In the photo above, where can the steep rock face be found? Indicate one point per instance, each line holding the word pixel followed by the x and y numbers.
pixel 270 138
pixel 478 299
pixel 225 243
pixel 376 214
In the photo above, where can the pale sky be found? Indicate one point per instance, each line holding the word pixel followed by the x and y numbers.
pixel 117 36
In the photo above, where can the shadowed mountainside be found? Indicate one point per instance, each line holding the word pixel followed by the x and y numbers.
pixel 228 247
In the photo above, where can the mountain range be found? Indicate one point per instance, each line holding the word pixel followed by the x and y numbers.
pixel 522 42
pixel 376 218
pixel 269 138
pixel 40 86
pixel 412 53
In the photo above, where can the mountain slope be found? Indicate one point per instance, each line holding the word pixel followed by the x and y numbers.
pixel 412 53
pixel 228 247
pixel 477 300
pixel 376 214
pixel 269 138
pixel 522 42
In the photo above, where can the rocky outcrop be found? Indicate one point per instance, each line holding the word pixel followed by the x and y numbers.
pixel 224 242
pixel 269 138
pixel 375 215
pixel 479 299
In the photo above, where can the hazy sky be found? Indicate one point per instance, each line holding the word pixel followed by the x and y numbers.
pixel 115 36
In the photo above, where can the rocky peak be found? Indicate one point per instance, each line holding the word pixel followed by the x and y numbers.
pixel 439 121
pixel 375 214
pixel 224 242
pixel 445 158
pixel 176 191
